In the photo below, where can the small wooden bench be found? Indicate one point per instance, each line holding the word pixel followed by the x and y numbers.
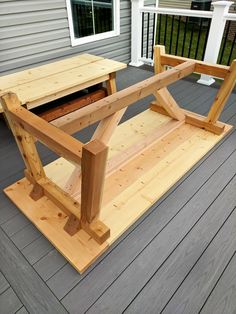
pixel 40 85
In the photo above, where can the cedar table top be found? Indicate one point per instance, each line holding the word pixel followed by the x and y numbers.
pixel 48 82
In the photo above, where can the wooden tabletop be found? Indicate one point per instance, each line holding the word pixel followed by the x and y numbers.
pixel 48 82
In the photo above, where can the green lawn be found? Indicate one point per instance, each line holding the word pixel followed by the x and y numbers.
pixel 190 47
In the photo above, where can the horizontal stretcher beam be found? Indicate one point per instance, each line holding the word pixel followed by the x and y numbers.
pixel 194 119
pixel 84 117
pixel 57 140
pixel 200 67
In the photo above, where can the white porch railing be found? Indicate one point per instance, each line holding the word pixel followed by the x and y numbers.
pixel 218 16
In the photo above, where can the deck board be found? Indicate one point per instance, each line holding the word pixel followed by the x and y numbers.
pixel 222 298
pixel 22 310
pixel 211 180
pixel 37 250
pixel 4 285
pixel 152 253
pixel 9 302
pixel 28 286
pixel 194 290
pixel 160 288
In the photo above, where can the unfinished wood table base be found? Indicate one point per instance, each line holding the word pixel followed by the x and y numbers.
pixel 128 193
pixel 123 170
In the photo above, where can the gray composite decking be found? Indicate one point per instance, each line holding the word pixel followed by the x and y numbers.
pixel 178 258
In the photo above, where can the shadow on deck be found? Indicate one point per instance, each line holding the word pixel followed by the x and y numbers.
pixel 178 258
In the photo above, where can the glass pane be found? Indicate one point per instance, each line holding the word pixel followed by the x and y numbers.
pixel 103 16
pixel 82 17
pixel 92 17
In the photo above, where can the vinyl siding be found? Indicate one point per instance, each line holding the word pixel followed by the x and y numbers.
pixel 33 32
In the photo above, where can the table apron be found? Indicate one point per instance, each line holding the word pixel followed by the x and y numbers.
pixel 54 96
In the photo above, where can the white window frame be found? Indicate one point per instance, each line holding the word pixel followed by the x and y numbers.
pixel 88 39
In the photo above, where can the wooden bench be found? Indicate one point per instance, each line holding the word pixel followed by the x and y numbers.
pixel 40 85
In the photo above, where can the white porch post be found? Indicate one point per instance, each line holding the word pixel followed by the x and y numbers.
pixel 136 32
pixel 215 37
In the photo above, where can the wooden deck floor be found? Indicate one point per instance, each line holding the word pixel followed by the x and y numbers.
pixel 178 258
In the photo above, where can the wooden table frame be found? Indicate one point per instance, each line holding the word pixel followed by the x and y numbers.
pixel 91 157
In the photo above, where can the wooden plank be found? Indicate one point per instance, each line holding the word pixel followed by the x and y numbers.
pixel 183 258
pixel 201 67
pixel 222 298
pixel 143 192
pixel 72 105
pixel 43 71
pixel 32 291
pixel 131 152
pixel 93 166
pixel 140 165
pixel 113 103
pixel 58 141
pixel 223 94
pixel 65 92
pixel 194 119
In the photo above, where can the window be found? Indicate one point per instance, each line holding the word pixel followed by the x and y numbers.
pixel 92 20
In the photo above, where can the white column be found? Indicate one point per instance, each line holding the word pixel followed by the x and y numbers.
pixel 215 37
pixel 136 32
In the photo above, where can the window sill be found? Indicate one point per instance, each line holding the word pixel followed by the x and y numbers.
pixel 93 38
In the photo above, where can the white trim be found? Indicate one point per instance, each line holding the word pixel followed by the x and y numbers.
pixel 88 39
pixel 181 12
pixel 230 16
pixel 136 32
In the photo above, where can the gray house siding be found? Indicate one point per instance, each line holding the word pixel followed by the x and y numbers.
pixel 36 31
